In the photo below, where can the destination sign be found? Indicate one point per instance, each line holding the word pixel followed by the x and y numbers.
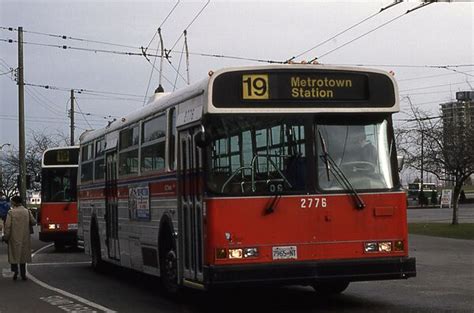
pixel 303 88
pixel 61 157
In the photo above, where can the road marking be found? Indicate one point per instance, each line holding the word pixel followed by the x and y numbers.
pixel 7 273
pixel 63 292
pixel 67 305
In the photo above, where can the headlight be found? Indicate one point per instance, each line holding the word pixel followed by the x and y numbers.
pixel 53 226
pixel 235 253
pixel 385 246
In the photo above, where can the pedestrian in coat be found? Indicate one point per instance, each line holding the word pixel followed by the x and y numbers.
pixel 17 234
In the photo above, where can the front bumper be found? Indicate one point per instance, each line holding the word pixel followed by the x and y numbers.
pixel 306 273
pixel 69 236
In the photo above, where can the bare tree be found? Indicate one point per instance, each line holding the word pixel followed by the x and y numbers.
pixel 445 150
pixel 38 142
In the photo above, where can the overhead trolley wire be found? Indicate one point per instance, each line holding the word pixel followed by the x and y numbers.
pixel 371 31
pixel 83 115
pixel 128 53
pixel 189 25
pixel 162 23
pixel 342 32
pixel 69 37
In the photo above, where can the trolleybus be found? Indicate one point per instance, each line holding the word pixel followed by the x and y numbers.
pixel 282 174
pixel 58 212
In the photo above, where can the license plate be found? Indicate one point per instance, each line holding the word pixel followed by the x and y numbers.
pixel 284 253
pixel 72 226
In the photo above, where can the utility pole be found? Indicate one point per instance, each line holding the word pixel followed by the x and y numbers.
pixel 422 195
pixel 72 117
pixel 21 118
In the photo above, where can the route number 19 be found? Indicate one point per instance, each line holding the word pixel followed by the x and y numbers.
pixel 255 87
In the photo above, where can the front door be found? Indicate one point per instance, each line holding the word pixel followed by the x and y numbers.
pixel 111 206
pixel 190 205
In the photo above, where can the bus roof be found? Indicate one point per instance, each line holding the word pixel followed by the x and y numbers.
pixel 204 97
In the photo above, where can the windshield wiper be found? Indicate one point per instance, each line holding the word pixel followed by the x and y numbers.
pixel 332 167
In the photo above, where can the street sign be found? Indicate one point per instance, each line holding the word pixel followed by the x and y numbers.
pixel 446 196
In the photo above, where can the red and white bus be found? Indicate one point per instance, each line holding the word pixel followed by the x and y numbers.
pixel 58 212
pixel 282 174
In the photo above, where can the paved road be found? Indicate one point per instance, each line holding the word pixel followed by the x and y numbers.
pixel 444 215
pixel 64 281
pixel 445 283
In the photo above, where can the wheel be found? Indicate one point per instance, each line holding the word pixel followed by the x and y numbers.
pixel 59 246
pixel 334 287
pixel 169 272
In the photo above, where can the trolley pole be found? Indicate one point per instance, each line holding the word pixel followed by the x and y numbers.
pixel 72 117
pixel 21 118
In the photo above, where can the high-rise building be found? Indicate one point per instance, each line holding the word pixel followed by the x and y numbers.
pixel 458 124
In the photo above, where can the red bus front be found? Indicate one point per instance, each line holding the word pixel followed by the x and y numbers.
pixel 58 212
pixel 300 200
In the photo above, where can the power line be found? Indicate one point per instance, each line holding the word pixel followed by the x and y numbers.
pixel 433 86
pixel 342 32
pixel 127 53
pixel 404 65
pixel 5 73
pixel 162 23
pixel 43 104
pixel 429 76
pixel 189 25
pixel 83 115
pixel 81 90
pixel 93 114
pixel 69 37
pixel 459 72
pixel 372 30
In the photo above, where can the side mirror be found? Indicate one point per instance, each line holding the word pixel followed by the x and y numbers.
pixel 202 139
pixel 401 162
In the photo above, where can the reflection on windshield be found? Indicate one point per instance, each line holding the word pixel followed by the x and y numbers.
pixel 59 184
pixel 362 154
pixel 257 155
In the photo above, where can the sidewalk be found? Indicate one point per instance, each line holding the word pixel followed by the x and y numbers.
pixel 21 296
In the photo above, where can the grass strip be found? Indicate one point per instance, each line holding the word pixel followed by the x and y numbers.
pixel 460 231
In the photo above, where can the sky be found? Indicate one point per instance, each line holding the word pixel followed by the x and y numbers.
pixel 416 46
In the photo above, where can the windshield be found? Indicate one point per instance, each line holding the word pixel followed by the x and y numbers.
pixel 257 155
pixel 252 155
pixel 361 152
pixel 59 184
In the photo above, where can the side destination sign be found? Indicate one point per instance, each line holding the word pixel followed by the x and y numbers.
pixel 283 88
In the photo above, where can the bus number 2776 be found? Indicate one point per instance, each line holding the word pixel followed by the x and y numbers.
pixel 307 203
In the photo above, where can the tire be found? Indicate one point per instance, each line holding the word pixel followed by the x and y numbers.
pixel 169 272
pixel 330 288
pixel 59 246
